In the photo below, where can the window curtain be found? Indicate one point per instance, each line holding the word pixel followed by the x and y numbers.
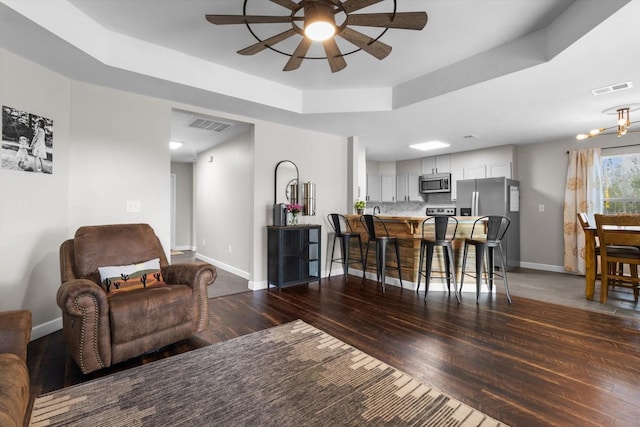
pixel 583 193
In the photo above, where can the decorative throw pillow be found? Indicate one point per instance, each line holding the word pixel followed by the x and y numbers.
pixel 120 278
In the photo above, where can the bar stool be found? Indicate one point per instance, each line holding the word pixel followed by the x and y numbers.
pixel 369 223
pixel 438 231
pixel 344 232
pixel 485 245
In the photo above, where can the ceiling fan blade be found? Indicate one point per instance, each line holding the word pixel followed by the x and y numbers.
pixel 291 5
pixel 376 48
pixel 353 5
pixel 249 19
pixel 403 20
pixel 298 55
pixel 334 56
pixel 259 47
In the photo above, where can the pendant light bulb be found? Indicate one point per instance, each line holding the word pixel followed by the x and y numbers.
pixel 319 21
pixel 319 31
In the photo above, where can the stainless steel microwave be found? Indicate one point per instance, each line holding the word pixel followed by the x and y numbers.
pixel 435 183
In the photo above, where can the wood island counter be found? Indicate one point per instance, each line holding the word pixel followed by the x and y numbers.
pixel 408 230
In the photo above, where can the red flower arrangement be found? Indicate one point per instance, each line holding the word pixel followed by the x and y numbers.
pixel 294 208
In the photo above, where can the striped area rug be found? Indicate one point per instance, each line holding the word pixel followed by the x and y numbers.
pixel 289 375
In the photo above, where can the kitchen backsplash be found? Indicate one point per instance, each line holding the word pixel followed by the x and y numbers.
pixel 412 208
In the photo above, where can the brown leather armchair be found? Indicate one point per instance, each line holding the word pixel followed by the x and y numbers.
pixel 103 329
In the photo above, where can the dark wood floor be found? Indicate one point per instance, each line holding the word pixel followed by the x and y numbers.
pixel 527 364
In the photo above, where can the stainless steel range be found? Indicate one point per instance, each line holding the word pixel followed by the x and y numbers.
pixel 435 211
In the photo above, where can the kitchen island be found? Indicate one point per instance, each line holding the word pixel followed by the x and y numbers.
pixel 408 230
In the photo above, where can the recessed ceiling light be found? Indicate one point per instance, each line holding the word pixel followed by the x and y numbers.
pixel 431 145
pixel 174 145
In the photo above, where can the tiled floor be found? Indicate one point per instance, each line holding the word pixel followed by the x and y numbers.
pixel 569 289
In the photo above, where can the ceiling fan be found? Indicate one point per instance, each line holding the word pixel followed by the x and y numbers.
pixel 323 20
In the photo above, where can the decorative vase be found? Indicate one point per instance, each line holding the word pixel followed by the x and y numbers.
pixel 360 211
pixel 294 219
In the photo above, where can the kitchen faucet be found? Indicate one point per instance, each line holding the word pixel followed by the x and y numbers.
pixel 374 209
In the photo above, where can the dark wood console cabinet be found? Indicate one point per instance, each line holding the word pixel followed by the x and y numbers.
pixel 293 255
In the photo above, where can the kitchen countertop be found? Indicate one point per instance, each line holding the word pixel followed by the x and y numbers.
pixel 402 218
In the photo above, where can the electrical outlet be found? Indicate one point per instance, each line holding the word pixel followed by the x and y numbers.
pixel 230 249
pixel 204 242
pixel 540 208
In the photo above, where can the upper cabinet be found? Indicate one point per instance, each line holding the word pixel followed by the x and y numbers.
pixel 407 188
pixel 373 188
pixel 388 188
pixel 497 170
pixel 436 164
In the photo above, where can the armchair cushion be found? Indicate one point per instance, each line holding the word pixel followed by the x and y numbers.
pixel 117 244
pixel 121 278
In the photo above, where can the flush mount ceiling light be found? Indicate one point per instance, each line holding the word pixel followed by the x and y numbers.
pixel 323 20
pixel 622 125
pixel 431 145
pixel 174 145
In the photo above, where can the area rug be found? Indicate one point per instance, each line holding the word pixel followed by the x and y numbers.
pixel 289 375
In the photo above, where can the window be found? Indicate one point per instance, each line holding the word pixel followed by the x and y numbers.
pixel 621 183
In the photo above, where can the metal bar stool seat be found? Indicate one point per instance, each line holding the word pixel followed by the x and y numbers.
pixel 381 241
pixel 344 233
pixel 485 247
pixel 438 231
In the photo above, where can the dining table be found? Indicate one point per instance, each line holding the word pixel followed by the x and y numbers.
pixel 590 234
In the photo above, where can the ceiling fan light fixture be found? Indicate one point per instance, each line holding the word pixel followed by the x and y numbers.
pixel 622 125
pixel 319 22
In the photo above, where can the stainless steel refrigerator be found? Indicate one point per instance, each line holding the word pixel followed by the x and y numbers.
pixel 494 196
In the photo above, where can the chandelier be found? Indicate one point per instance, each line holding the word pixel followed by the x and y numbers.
pixel 622 125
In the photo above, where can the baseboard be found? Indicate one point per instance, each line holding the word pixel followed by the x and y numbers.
pixel 47 328
pixel 226 267
pixel 256 286
pixel 544 267
pixel 184 248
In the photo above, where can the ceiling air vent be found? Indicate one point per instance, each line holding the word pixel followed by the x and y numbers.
pixel 206 124
pixel 612 88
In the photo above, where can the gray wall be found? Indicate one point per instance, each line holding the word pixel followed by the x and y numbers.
pixel 223 193
pixel 184 205
pixel 542 171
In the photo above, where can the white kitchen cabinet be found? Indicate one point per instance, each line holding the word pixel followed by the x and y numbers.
pixel 373 187
pixel 388 188
pixel 497 170
pixel 475 172
pixel 436 164
pixel 407 188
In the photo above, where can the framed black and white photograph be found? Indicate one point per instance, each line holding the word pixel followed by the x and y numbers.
pixel 27 141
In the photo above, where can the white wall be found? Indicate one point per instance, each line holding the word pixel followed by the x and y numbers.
pixel 33 206
pixel 184 205
pixel 224 204
pixel 120 152
pixel 321 159
pixel 109 147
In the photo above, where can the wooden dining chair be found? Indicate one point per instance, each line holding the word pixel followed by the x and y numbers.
pixel 583 219
pixel 619 246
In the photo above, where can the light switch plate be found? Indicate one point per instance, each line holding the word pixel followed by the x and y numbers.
pixel 540 208
pixel 134 206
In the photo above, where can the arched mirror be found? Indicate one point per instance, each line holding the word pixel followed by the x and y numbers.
pixel 286 183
